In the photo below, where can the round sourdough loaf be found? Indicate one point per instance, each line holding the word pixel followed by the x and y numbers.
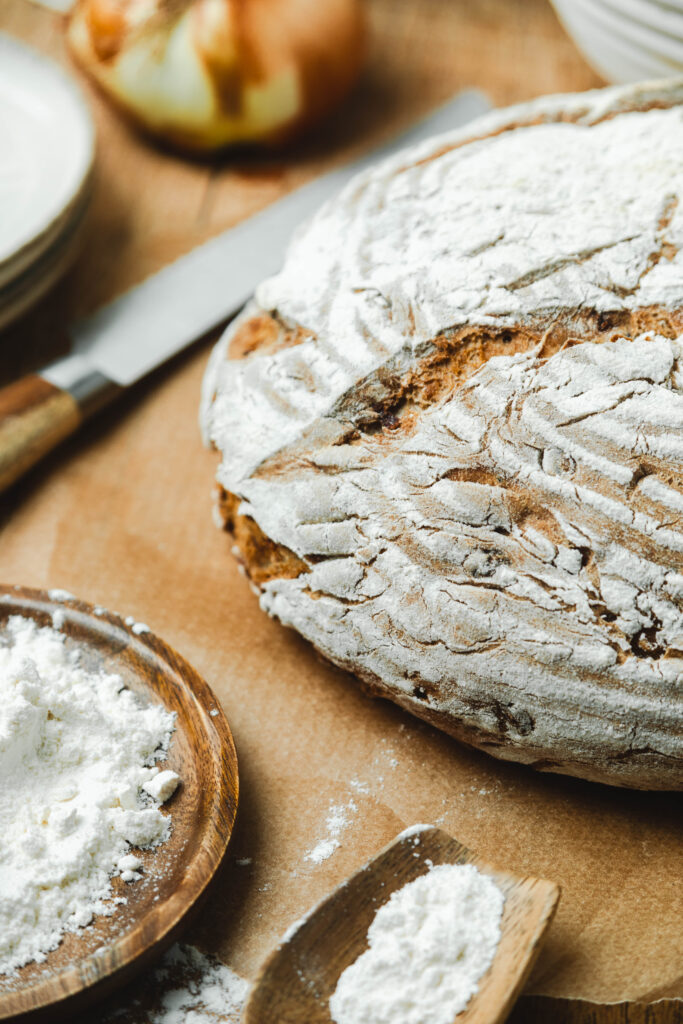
pixel 452 434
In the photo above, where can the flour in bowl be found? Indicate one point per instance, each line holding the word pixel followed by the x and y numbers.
pixel 428 947
pixel 77 755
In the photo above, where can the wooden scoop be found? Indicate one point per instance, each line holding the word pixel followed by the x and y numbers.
pixel 298 978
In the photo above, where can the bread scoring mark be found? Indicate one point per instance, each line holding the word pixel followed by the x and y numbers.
pixel 509 541
pixel 266 334
pixel 518 513
pixel 664 247
pixel 262 559
pixel 386 406
pixel 552 267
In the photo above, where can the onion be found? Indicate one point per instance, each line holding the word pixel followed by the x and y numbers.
pixel 203 74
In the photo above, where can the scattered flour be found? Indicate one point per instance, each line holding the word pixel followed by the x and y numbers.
pixel 136 627
pixel 188 987
pixel 207 992
pixel 414 831
pixel 428 947
pixel 338 818
pixel 76 748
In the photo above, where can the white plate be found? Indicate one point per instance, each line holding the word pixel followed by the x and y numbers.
pixel 662 45
pixel 605 47
pixel 24 290
pixel 46 154
pixel 668 5
pixel 649 14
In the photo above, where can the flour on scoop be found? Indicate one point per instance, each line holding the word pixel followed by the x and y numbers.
pixel 428 947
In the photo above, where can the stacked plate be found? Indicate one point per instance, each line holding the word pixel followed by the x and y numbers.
pixel 46 159
pixel 627 40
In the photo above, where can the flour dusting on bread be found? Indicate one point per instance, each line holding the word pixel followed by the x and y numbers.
pixel 456 467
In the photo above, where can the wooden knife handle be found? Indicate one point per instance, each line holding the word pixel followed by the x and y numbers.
pixel 34 417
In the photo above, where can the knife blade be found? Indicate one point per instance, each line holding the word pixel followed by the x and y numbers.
pixel 139 330
pixel 144 327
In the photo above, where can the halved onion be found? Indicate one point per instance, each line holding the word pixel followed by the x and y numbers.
pixel 206 73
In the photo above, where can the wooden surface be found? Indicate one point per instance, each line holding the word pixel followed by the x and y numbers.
pixel 122 516
pixel 298 979
pixel 91 962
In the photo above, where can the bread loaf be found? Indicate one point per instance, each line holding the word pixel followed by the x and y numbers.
pixel 452 434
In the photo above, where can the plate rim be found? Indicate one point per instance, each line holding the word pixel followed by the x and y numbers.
pixel 86 980
pixel 81 170
pixel 53 262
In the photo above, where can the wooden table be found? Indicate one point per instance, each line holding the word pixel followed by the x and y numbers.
pixel 122 517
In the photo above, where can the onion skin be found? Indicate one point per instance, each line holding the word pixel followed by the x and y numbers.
pixel 205 74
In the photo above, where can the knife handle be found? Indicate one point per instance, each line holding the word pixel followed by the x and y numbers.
pixel 39 411
pixel 34 417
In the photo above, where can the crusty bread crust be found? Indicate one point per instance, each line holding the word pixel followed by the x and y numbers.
pixel 612 729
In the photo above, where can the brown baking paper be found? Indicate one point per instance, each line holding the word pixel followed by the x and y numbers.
pixel 122 518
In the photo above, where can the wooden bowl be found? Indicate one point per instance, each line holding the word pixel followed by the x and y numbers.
pixel 89 963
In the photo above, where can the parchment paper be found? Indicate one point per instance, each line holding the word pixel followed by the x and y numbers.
pixel 123 519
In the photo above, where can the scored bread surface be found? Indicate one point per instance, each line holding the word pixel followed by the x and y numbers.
pixel 452 433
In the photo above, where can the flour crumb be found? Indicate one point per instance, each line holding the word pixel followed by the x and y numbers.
pixel 58 618
pixel 428 947
pixel 338 819
pixel 136 627
pixel 162 786
pixel 76 748
pixel 214 712
pixel 129 866
pixel 243 862
pixel 56 594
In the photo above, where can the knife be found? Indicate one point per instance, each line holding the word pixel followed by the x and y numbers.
pixel 129 337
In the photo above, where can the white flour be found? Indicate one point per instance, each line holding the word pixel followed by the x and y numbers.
pixel 188 987
pixel 428 947
pixel 204 990
pixel 338 818
pixel 76 749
